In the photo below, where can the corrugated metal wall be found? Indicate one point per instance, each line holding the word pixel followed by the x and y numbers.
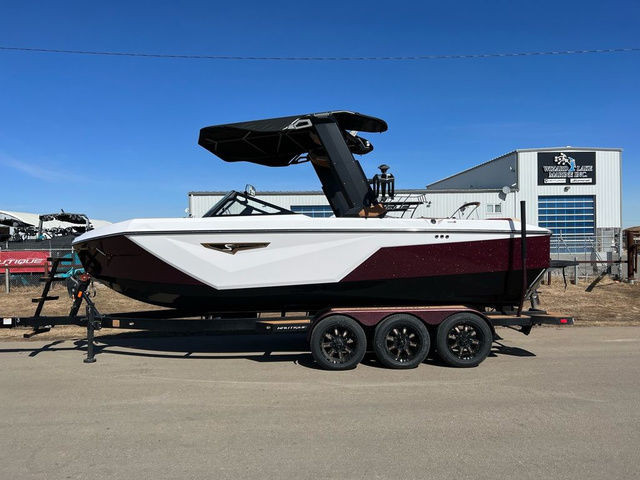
pixel 444 203
pixel 201 202
pixel 438 203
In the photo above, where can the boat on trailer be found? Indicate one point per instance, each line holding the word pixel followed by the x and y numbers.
pixel 365 280
pixel 246 254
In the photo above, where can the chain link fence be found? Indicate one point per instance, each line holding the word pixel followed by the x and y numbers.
pixel 596 254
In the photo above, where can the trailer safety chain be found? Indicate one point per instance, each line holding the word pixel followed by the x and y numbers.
pixel 91 291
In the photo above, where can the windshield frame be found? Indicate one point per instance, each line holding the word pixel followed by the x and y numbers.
pixel 235 197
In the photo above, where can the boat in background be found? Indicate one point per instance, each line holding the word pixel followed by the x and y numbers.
pixel 50 231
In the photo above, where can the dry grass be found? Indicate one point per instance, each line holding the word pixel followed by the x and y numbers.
pixel 610 303
pixel 18 304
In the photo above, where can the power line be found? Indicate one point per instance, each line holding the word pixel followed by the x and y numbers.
pixel 319 59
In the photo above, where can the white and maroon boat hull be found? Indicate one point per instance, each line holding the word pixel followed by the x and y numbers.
pixel 295 262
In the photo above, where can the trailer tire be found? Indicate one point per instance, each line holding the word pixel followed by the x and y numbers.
pixel 464 340
pixel 401 341
pixel 338 342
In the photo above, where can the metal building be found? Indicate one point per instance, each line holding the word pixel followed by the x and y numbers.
pixel 575 192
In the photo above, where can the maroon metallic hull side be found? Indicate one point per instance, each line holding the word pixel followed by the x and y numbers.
pixel 452 259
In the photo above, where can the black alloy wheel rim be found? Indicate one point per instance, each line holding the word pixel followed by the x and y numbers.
pixel 339 344
pixel 403 343
pixel 464 340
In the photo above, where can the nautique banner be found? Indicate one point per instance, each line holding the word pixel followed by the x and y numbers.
pixel 23 261
pixel 571 168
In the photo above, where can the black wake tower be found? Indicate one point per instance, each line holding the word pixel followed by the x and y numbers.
pixel 328 140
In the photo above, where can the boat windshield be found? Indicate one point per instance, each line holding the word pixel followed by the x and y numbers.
pixel 240 204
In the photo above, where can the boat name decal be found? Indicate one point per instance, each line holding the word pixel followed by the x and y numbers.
pixel 234 248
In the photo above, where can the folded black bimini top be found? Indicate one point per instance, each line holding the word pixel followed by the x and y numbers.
pixel 278 142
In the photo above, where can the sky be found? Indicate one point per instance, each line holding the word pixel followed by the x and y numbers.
pixel 116 137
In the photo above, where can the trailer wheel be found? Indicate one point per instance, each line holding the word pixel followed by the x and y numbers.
pixel 464 340
pixel 401 341
pixel 338 343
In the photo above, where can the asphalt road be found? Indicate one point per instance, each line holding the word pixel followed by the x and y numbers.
pixel 561 403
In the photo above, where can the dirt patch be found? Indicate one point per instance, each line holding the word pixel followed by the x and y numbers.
pixel 610 303
pixel 18 304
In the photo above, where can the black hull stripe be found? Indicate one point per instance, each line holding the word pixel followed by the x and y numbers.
pixel 482 289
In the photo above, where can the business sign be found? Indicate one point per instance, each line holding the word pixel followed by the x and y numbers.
pixel 23 261
pixel 572 168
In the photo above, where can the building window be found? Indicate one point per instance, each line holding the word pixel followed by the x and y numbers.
pixel 571 218
pixel 313 210
pixel 494 208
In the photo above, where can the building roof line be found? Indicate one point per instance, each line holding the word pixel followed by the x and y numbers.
pixel 472 168
pixel 398 192
pixel 465 190
pixel 569 148
pixel 292 192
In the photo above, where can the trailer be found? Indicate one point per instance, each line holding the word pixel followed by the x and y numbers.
pixel 400 336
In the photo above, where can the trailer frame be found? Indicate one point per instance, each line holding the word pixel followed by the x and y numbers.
pixel 231 322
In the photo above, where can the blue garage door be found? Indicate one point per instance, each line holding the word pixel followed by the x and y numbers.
pixel 571 218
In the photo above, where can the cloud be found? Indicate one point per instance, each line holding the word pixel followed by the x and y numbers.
pixel 40 172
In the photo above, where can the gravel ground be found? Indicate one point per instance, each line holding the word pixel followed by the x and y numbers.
pixel 562 403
